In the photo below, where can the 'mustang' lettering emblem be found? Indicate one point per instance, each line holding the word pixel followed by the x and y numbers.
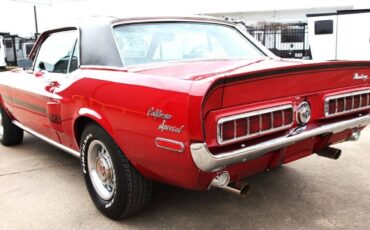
pixel 363 77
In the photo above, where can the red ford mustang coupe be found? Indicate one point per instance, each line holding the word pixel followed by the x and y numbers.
pixel 193 102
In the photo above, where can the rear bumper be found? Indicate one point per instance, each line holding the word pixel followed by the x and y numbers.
pixel 208 162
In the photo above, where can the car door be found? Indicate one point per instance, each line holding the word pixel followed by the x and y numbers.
pixel 36 105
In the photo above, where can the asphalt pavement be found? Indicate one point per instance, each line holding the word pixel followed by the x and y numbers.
pixel 42 187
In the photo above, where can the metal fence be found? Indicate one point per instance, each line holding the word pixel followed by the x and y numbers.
pixel 284 40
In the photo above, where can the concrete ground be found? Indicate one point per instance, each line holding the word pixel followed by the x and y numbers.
pixel 42 188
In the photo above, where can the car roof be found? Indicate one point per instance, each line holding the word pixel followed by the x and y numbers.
pixel 97 44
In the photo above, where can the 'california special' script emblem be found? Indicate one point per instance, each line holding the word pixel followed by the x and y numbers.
pixel 357 76
pixel 159 114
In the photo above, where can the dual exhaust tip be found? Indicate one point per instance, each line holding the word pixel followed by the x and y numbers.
pixel 222 181
pixel 333 153
pixel 329 152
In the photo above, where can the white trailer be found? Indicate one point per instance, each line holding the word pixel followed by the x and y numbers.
pixel 2 53
pixel 343 35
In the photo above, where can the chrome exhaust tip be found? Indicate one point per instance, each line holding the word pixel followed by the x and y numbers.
pixel 331 153
pixel 355 135
pixel 222 181
pixel 238 188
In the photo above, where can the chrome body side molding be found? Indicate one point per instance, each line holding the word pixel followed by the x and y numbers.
pixel 208 162
pixel 42 137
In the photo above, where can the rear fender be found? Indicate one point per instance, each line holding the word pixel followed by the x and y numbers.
pixel 95 116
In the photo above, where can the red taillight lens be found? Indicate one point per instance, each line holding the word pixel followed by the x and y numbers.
pixel 266 121
pixel 241 127
pixel 227 130
pixel 356 101
pixel 332 106
pixel 288 116
pixel 348 103
pixel 254 124
pixel 363 100
pixel 340 107
pixel 278 119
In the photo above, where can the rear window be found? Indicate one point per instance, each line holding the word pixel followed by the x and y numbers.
pixel 179 41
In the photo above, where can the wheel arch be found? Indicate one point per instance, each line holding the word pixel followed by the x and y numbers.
pixel 86 116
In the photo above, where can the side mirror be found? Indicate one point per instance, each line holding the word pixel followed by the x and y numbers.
pixel 25 63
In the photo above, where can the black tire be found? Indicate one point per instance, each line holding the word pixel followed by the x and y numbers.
pixel 132 191
pixel 10 134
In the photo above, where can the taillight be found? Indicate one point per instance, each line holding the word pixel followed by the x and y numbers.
pixel 278 118
pixel 356 101
pixel 228 130
pixel 255 123
pixel 288 116
pixel 266 122
pixel 241 127
pixel 340 106
pixel 332 106
pixel 346 103
pixel 364 100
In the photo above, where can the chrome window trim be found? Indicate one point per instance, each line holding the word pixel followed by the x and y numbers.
pixel 343 96
pixel 247 116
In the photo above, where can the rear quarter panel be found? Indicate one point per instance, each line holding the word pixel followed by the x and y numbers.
pixel 121 102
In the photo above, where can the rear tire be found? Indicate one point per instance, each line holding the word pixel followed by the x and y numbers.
pixel 10 134
pixel 117 189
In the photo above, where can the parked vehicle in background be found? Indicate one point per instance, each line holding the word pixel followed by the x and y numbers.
pixel 2 53
pixel 343 35
pixel 193 102
pixel 23 59
pixel 17 49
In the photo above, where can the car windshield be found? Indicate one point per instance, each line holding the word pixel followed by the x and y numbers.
pixel 180 41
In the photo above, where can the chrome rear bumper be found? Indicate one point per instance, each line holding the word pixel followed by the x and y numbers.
pixel 208 162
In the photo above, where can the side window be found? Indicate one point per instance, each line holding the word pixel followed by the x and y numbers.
pixel 324 27
pixel 56 51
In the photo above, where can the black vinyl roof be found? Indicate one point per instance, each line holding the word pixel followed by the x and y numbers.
pixel 97 45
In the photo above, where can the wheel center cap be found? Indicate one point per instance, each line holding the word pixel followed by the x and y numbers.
pixel 103 169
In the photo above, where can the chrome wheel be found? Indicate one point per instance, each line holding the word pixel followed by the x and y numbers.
pixel 101 170
pixel 1 126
